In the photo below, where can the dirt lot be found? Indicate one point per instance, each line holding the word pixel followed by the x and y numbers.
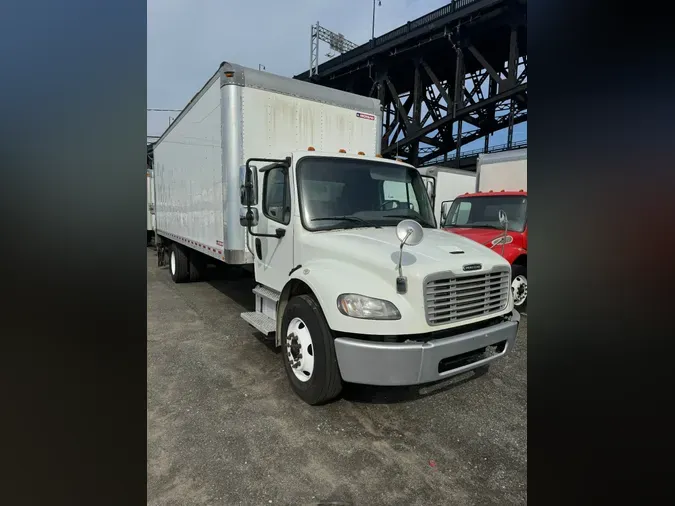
pixel 224 426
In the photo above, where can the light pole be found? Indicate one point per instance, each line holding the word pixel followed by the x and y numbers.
pixel 379 3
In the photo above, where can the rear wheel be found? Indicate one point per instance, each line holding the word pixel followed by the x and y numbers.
pixel 519 287
pixel 197 265
pixel 178 264
pixel 309 352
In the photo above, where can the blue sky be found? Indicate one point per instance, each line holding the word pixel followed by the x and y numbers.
pixel 187 40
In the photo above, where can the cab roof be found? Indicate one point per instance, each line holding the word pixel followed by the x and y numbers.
pixel 499 193
pixel 354 156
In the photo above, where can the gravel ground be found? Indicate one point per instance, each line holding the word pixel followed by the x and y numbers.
pixel 225 428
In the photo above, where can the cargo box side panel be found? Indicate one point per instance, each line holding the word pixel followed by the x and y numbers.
pixel 276 124
pixel 502 171
pixel 189 176
pixel 450 185
pixel 509 176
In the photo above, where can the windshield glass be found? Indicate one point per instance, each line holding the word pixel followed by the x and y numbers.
pixel 483 212
pixel 347 193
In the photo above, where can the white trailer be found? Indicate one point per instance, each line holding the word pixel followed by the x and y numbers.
pixel 502 171
pixel 444 184
pixel 353 284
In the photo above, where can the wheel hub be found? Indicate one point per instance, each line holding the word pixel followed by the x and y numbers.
pixel 519 287
pixel 300 349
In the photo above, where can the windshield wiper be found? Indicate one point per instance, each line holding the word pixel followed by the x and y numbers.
pixel 419 220
pixel 347 218
pixel 474 225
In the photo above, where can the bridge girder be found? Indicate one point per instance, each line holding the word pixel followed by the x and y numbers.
pixel 460 82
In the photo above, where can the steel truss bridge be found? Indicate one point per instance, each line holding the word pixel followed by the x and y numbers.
pixel 452 77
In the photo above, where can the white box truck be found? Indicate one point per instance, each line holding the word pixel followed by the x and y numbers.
pixel 353 286
pixel 444 184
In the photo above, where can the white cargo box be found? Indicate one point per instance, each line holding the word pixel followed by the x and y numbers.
pixel 502 171
pixel 242 113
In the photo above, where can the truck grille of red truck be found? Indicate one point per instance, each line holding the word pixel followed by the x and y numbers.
pixel 450 298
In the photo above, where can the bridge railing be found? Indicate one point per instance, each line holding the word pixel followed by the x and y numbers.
pixel 403 30
pixel 474 152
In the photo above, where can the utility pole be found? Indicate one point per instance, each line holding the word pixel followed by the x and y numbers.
pixel 379 3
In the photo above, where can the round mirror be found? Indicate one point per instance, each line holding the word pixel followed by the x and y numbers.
pixel 502 217
pixel 409 232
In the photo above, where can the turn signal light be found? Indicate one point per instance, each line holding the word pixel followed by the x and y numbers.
pixel 311 149
pixel 342 151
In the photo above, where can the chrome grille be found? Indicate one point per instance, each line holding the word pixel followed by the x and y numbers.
pixel 450 298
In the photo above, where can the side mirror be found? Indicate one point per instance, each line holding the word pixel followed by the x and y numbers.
pixel 248 217
pixel 445 209
pixel 248 181
pixel 503 219
pixel 430 188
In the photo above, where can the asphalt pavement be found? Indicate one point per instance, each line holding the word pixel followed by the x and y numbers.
pixel 225 428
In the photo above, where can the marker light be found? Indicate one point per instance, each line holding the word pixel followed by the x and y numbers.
pixel 342 151
pixel 311 149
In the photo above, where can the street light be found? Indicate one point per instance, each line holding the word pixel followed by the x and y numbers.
pixel 379 3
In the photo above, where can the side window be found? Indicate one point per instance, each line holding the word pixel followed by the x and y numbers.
pixel 277 196
pixel 402 192
pixel 461 216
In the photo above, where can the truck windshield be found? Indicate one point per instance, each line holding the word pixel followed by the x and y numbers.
pixel 348 193
pixel 483 212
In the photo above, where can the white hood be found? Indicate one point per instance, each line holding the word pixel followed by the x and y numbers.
pixel 365 260
pixel 377 250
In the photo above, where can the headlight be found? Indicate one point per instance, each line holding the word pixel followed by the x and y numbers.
pixel 360 306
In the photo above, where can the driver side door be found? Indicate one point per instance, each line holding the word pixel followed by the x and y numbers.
pixel 274 256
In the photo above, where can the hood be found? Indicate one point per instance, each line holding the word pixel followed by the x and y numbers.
pixel 484 236
pixel 377 250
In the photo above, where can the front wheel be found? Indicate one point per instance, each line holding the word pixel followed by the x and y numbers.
pixel 309 352
pixel 519 287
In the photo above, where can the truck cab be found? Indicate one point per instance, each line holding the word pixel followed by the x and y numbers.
pixel 356 282
pixel 476 216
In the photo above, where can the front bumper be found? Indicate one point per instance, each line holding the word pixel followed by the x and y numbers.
pixel 390 364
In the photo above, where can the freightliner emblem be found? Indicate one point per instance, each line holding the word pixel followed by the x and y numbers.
pixel 472 267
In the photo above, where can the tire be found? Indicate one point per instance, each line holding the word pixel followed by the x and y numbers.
pixel 303 315
pixel 519 271
pixel 197 266
pixel 178 264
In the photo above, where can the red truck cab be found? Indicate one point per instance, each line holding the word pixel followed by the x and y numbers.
pixel 476 216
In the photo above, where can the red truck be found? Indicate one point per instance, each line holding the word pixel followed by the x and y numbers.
pixel 501 185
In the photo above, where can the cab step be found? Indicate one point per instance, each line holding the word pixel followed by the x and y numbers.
pixel 261 322
pixel 266 293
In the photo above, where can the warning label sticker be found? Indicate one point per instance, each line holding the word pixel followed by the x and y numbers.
pixel 363 115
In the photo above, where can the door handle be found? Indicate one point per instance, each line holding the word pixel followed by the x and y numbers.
pixel 258 248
